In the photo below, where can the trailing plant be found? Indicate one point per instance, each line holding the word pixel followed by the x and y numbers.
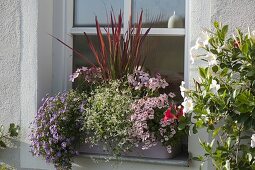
pixel 57 128
pixel 223 100
pixel 156 117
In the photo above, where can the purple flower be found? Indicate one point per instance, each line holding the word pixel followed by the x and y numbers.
pixel 140 79
pixel 63 145
pixel 54 128
pixel 59 154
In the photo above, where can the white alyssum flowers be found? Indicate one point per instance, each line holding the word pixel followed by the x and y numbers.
pixel 188 105
pixel 214 87
pixel 253 141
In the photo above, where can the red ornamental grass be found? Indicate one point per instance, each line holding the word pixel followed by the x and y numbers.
pixel 118 54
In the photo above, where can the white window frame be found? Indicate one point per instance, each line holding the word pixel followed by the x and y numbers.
pixel 63 28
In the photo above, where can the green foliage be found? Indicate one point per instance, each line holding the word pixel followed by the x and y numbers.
pixel 107 117
pixel 6 137
pixel 4 166
pixel 6 140
pixel 225 99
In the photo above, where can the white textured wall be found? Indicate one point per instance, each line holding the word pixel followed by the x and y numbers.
pixel 10 68
pixel 10 61
pixel 236 13
pixel 36 24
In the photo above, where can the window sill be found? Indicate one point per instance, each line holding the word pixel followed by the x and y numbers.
pixel 181 160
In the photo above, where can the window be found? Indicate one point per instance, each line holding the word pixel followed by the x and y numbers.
pixel 167 52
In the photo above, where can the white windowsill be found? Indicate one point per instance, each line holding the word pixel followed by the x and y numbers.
pixel 181 160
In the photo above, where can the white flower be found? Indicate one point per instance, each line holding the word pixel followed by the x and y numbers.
pixel 214 87
pixel 227 166
pixel 206 37
pixel 251 35
pixel 192 54
pixel 253 141
pixel 199 43
pixel 202 41
pixel 211 58
pixel 182 88
pixel 187 105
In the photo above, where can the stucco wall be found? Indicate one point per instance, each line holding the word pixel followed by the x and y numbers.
pixel 236 13
pixel 26 68
pixel 10 61
pixel 10 67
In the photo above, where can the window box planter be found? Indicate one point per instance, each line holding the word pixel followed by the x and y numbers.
pixel 155 152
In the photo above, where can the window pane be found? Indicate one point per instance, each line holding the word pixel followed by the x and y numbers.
pixel 158 12
pixel 86 10
pixel 80 44
pixel 165 55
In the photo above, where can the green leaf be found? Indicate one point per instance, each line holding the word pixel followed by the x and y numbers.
pixel 216 24
pixel 194 129
pixel 199 158
pixel 245 49
pixel 14 130
pixel 216 132
pixel 224 72
pixel 224 31
pixel 251 73
pixel 181 126
pixel 2 144
pixel 199 123
pixel 215 69
pixel 202 72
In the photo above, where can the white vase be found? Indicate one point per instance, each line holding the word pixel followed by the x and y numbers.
pixel 175 21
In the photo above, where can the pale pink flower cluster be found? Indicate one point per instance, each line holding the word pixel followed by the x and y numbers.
pixel 140 79
pixel 167 131
pixel 89 74
pixel 143 110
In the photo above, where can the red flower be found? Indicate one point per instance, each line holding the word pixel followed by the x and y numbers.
pixel 180 112
pixel 169 114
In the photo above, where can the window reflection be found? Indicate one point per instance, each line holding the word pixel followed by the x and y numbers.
pixel 158 12
pixel 86 10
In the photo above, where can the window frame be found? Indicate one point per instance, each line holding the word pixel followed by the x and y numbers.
pixel 63 28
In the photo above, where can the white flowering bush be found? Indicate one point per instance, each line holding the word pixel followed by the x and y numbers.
pixel 223 100
pixel 107 117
